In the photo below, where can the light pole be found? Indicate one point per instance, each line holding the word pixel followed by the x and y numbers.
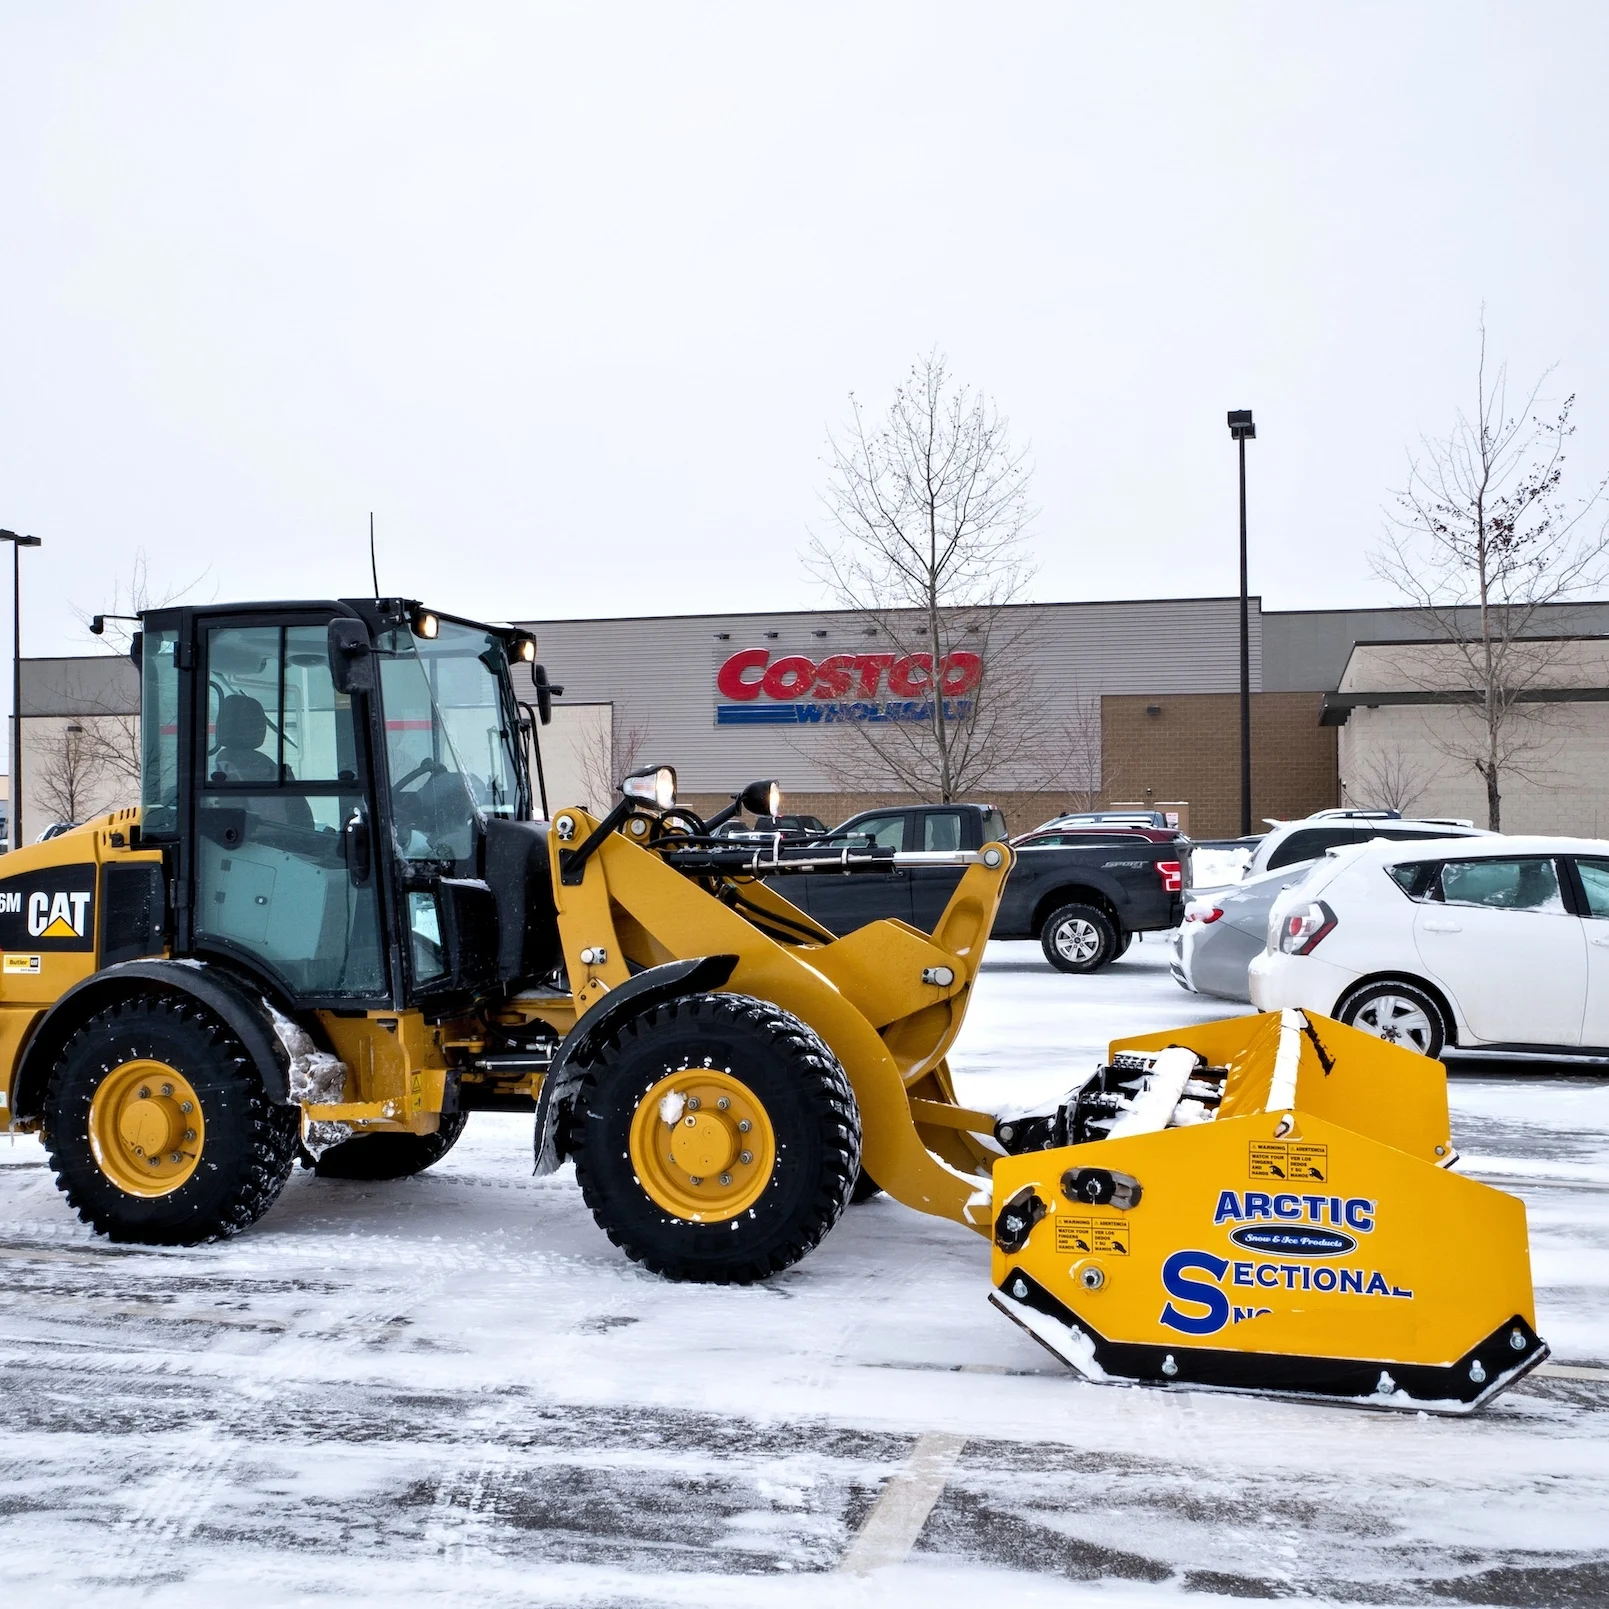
pixel 1242 430
pixel 18 543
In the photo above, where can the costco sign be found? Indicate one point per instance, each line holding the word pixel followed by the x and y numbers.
pixel 798 690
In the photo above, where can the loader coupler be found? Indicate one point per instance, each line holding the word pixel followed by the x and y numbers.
pixel 1277 1253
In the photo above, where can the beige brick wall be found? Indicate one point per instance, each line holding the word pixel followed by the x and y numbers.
pixel 1190 751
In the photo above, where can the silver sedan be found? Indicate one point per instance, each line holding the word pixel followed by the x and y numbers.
pixel 1224 929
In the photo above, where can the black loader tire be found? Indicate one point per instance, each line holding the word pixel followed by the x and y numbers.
pixel 248 1147
pixel 1078 938
pixel 806 1098
pixel 866 1189
pixel 388 1156
pixel 1399 1012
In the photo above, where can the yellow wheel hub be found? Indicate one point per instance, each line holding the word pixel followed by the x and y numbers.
pixel 145 1128
pixel 702 1145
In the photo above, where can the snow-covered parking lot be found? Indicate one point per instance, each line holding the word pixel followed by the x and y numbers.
pixel 453 1389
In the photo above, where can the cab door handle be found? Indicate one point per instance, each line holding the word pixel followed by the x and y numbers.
pixel 1603 941
pixel 1443 927
pixel 359 858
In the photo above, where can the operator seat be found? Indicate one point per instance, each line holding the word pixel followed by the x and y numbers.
pixel 238 757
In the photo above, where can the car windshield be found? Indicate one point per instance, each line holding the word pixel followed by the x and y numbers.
pixel 450 739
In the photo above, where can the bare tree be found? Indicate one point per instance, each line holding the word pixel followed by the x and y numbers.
pixel 1391 777
pixel 130 598
pixel 1483 542
pixel 67 776
pixel 1083 774
pixel 604 757
pixel 928 512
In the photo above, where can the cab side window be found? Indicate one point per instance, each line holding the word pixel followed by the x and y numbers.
pixel 941 829
pixel 887 832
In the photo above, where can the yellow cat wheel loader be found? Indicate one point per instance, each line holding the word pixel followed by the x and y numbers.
pixel 338 923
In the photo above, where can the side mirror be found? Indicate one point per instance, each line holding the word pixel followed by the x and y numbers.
pixel 545 693
pixel 351 657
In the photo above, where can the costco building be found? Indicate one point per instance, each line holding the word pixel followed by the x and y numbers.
pixel 728 699
pixel 731 698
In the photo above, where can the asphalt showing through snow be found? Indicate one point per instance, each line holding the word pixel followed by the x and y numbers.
pixel 453 1389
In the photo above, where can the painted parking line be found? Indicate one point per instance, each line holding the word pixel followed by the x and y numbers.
pixel 897 1517
pixel 1571 1371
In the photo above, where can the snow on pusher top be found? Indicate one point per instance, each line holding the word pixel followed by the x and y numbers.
pixel 336 924
pixel 1265 1204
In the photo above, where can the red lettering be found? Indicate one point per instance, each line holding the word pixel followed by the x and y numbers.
pixel 960 672
pixel 834 675
pixel 790 677
pixel 729 678
pixel 871 668
pixel 902 678
pixel 746 676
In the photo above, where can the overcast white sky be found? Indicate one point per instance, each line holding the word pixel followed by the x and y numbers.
pixel 568 295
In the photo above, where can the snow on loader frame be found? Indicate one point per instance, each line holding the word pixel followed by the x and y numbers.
pixel 338 923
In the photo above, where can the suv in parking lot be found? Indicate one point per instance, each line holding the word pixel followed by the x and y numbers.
pixel 1488 945
pixel 1288 843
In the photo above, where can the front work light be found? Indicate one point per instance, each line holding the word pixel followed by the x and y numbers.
pixel 655 784
pixel 425 624
pixel 525 650
pixel 762 798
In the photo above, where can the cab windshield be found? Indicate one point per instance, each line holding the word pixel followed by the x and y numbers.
pixel 451 735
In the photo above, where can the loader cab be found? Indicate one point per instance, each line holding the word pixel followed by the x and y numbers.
pixel 344 791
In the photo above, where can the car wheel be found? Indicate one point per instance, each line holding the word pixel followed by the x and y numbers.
pixel 1078 938
pixel 1400 1013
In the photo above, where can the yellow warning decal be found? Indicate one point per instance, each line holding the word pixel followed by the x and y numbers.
pixel 1280 1159
pixel 1078 1235
pixel 23 963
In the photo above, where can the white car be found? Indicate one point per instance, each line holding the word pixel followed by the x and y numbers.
pixel 1288 843
pixel 1479 944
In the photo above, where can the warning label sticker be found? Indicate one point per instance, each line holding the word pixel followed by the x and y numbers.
pixel 1288 1159
pixel 1077 1235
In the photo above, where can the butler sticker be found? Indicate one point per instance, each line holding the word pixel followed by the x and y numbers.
pixel 48 910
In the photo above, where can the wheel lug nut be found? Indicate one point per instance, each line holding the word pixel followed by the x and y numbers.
pixel 723 1103
pixel 145 1094
pixel 189 1134
pixel 690 1122
pixel 175 1157
pixel 186 1106
pixel 695 1178
pixel 743 1126
pixel 167 1089
pixel 693 1103
pixel 746 1156
pixel 726 1178
pixel 155 1161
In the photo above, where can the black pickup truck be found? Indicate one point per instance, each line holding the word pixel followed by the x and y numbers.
pixel 1083 895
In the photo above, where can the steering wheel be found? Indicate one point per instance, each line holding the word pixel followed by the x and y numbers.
pixel 415 812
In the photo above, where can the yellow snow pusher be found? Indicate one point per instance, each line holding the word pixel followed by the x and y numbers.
pixel 339 923
pixel 1264 1204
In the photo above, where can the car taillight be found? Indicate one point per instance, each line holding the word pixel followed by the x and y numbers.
pixel 1211 914
pixel 1172 874
pixel 1304 928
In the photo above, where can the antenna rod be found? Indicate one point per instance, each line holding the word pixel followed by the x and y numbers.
pixel 373 570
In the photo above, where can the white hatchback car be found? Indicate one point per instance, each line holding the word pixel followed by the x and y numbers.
pixel 1479 944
